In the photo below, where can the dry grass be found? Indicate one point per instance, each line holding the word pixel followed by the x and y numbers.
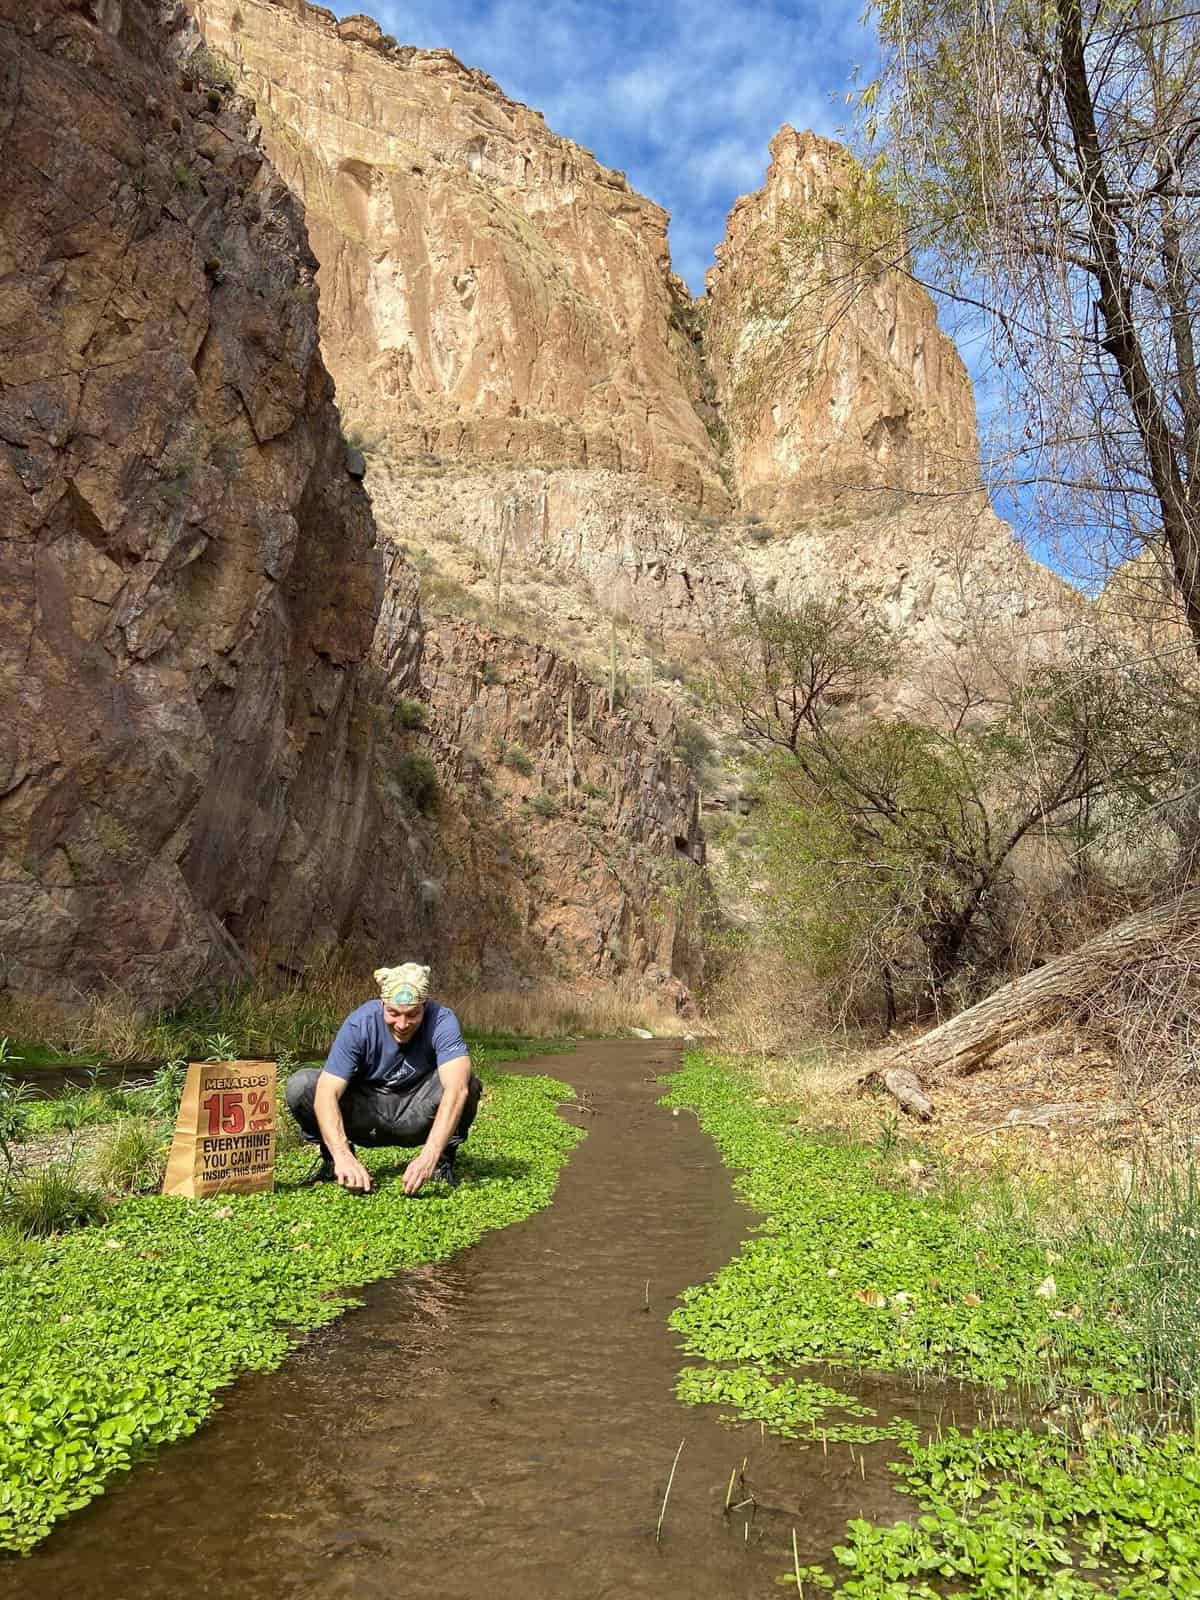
pixel 762 1006
pixel 552 1011
pixel 1147 1015
pixel 263 1018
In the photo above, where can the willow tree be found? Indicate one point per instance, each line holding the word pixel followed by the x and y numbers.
pixel 1045 155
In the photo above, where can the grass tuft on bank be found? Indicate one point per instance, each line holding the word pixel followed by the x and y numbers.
pixel 119 1338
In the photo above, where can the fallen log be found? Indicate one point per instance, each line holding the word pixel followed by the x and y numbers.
pixel 906 1087
pixel 1027 1005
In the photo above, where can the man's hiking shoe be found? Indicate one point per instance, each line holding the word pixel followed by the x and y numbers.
pixel 444 1173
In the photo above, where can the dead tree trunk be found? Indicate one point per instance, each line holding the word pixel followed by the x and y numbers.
pixel 1036 1001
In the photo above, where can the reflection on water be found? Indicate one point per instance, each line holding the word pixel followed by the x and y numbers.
pixel 498 1425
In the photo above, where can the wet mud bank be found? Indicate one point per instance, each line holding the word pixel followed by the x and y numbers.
pixel 502 1423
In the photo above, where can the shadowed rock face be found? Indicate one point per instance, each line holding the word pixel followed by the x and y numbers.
pixel 187 571
pixel 488 290
pixel 825 392
pixel 612 879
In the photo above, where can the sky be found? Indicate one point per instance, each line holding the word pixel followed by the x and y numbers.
pixel 683 96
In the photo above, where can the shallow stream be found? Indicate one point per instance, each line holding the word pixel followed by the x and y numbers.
pixel 499 1425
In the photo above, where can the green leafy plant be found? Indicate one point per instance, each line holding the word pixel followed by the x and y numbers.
pixel 516 757
pixel 544 804
pixel 78 1106
pixel 847 1270
pixel 850 1271
pixel 410 713
pixel 14 1109
pixel 417 777
pixel 119 1339
pixel 1009 1514
pixel 161 1096
pixel 792 1408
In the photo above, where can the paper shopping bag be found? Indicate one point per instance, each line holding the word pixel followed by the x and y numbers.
pixel 225 1135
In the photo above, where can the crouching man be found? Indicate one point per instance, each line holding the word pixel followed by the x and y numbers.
pixel 398 1073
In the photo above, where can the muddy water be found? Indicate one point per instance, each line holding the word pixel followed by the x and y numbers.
pixel 499 1425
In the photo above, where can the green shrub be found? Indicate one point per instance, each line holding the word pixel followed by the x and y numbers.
pixel 160 1097
pixel 516 757
pixel 410 713
pixel 545 805
pixel 417 777
pixel 50 1201
pixel 16 1248
pixel 14 1112
pixel 695 745
pixel 131 1157
pixel 79 1106
pixel 489 672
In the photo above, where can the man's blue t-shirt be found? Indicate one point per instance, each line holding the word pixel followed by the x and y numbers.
pixel 365 1052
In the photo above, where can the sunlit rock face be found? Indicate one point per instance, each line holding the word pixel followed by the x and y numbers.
pixel 488 290
pixel 187 570
pixel 830 394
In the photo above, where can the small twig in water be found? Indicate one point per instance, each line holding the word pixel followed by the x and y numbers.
pixel 667 1494
pixel 646 1304
pixel 729 1491
pixel 796 1566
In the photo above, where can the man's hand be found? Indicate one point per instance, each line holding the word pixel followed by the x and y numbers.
pixel 419 1171
pixel 351 1173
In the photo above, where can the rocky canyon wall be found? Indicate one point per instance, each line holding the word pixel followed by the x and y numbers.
pixel 488 289
pixel 210 760
pixel 831 392
pixel 187 571
pixel 564 845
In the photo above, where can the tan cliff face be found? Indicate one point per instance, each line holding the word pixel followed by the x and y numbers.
pixel 498 308
pixel 189 580
pixel 202 766
pixel 827 392
pixel 488 290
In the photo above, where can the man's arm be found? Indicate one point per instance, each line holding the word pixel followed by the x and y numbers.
pixel 350 1172
pixel 455 1076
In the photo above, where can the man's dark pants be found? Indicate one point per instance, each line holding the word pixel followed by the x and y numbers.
pixel 382 1116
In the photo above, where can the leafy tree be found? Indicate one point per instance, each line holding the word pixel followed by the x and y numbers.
pixel 784 666
pixel 889 836
pixel 1046 162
